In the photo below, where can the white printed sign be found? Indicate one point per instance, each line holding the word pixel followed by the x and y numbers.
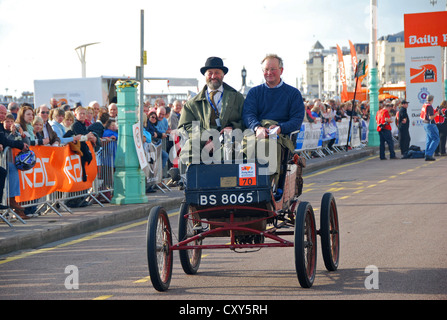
pixel 423 69
pixel 136 130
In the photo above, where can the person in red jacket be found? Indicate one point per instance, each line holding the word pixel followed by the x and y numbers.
pixel 441 123
pixel 383 120
pixel 428 115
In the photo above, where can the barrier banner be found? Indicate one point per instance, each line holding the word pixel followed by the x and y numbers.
pixel 329 130
pixel 300 138
pixel 154 174
pixel 342 132
pixel 56 169
pixel 312 135
pixel 355 135
pixel 365 127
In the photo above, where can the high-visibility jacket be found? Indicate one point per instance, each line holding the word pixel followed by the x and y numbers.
pixel 424 112
pixel 440 119
pixel 381 117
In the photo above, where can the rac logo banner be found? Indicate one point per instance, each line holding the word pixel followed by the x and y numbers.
pixel 56 169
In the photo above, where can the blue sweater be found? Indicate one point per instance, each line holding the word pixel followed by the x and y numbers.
pixel 283 104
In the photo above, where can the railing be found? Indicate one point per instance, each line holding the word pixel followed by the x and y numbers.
pixel 100 192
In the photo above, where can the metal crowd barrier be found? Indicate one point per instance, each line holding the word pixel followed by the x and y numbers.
pixel 101 190
pixel 313 139
pixel 154 171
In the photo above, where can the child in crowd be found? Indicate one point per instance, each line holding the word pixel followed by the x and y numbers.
pixel 88 116
pixel 111 130
pixel 25 118
pixel 68 121
pixel 38 132
pixel 12 131
pixel 58 127
pixel 110 133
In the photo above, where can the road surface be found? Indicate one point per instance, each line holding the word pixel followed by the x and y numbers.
pixel 393 217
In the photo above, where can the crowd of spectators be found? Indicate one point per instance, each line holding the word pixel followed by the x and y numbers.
pixel 318 111
pixel 160 121
pixel 56 124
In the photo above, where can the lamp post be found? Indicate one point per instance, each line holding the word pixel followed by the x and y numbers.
pixel 244 76
pixel 81 50
pixel 373 137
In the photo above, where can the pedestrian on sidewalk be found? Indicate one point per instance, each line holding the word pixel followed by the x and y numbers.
pixel 403 125
pixel 383 120
pixel 441 123
pixel 428 115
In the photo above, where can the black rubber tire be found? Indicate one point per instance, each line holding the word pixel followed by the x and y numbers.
pixel 159 253
pixel 189 259
pixel 305 245
pixel 329 232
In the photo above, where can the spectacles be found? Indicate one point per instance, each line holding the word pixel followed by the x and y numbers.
pixel 45 112
pixel 152 117
pixel 271 70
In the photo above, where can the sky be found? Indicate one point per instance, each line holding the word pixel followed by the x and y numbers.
pixel 38 38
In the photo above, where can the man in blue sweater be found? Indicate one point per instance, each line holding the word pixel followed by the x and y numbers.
pixel 274 107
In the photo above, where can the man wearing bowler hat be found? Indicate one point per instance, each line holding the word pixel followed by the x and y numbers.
pixel 218 106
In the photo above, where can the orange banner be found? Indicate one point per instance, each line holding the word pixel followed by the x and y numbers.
pixel 56 169
pixel 341 67
pixel 425 29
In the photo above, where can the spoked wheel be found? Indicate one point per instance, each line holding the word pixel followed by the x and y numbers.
pixel 305 245
pixel 329 232
pixel 190 259
pixel 159 253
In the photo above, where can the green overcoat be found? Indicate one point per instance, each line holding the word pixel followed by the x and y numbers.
pixel 198 110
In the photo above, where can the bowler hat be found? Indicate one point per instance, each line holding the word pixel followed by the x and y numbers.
pixel 214 63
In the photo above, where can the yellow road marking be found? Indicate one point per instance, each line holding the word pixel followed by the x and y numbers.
pixel 336 189
pixel 103 297
pixel 307 190
pixel 80 240
pixel 145 279
pixel 338 167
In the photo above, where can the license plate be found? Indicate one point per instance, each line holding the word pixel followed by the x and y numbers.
pixel 226 198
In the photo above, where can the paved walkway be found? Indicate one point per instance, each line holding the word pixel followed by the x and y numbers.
pixel 51 227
